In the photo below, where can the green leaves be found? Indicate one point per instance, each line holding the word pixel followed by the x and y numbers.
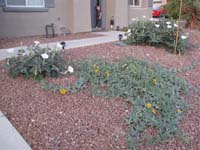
pixel 155 93
pixel 159 33
pixel 38 64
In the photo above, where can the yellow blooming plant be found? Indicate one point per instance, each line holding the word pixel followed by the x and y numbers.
pixel 154 81
pixel 154 111
pixel 107 73
pixel 179 110
pixel 149 105
pixel 63 91
pixel 96 69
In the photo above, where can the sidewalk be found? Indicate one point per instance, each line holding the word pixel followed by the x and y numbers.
pixel 110 36
pixel 10 139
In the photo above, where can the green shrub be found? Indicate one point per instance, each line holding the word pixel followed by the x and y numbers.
pixel 156 33
pixel 155 93
pixel 37 63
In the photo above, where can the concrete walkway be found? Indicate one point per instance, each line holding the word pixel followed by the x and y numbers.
pixel 10 139
pixel 107 37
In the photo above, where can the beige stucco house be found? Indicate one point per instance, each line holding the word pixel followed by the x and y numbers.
pixel 29 17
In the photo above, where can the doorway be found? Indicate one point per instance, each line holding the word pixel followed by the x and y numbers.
pixel 102 4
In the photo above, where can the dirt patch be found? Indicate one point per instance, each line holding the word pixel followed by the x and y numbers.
pixel 49 121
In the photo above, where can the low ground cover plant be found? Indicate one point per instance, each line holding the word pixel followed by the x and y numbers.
pixel 155 93
pixel 156 33
pixel 37 63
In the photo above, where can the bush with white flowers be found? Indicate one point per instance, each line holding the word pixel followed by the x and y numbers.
pixel 156 33
pixel 38 63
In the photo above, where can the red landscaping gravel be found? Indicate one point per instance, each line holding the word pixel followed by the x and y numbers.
pixel 49 121
pixel 26 41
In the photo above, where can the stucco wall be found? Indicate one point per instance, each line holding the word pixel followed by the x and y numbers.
pixel 81 16
pixel 13 24
pixel 121 13
pixel 110 11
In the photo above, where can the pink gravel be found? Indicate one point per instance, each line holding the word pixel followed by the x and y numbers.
pixel 49 121
pixel 26 41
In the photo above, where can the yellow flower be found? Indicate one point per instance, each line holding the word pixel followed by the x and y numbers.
pixel 154 81
pixel 96 71
pixel 179 110
pixel 95 66
pixel 153 111
pixel 107 73
pixel 149 105
pixel 63 91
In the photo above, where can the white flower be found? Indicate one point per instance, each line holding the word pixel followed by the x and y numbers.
pixel 11 50
pixel 175 25
pixel 58 45
pixel 169 26
pixel 70 69
pixel 157 25
pixel 183 37
pixel 129 31
pixel 151 19
pixel 45 56
pixel 168 23
pixel 37 43
pixel 144 16
pixel 133 19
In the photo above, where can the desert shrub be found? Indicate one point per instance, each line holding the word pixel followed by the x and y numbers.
pixel 155 93
pixel 37 63
pixel 156 33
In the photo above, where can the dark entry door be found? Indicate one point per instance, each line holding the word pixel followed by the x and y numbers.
pixel 93 13
pixel 94 3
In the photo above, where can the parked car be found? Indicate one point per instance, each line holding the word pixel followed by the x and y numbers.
pixel 159 11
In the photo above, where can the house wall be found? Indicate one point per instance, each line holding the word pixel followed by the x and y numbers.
pixel 123 13
pixel 81 16
pixel 14 24
pixel 69 15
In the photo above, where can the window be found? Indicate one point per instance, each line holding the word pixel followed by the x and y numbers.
pixel 134 3
pixel 25 3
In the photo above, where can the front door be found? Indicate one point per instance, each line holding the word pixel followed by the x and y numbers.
pixel 94 4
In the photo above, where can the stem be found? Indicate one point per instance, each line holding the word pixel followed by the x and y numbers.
pixel 177 33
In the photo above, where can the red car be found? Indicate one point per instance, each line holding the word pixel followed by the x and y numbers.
pixel 159 11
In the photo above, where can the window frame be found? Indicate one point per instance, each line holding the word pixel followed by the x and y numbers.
pixel 135 5
pixel 26 5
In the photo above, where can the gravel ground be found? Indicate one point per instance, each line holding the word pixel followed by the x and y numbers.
pixel 15 42
pixel 49 121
